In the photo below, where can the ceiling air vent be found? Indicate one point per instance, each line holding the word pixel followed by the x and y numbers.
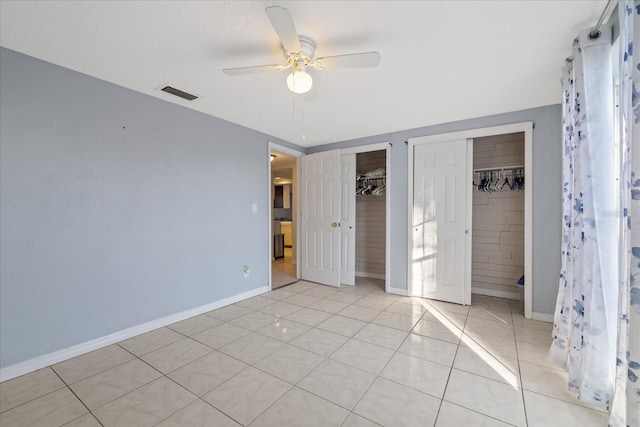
pixel 179 93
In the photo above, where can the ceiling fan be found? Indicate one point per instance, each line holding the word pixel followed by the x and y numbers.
pixel 300 53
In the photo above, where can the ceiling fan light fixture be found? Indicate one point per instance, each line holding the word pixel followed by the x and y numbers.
pixel 299 81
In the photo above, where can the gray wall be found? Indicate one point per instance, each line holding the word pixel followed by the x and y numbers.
pixel 117 208
pixel 546 187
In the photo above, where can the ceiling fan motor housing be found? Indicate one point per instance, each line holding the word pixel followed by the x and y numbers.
pixel 306 55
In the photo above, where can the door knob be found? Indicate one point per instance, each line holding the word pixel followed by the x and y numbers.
pixel 334 224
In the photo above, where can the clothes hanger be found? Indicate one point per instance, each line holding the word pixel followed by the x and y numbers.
pixel 500 184
pixel 491 185
pixel 483 183
pixel 495 181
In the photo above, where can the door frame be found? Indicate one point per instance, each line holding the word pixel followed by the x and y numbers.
pixel 297 154
pixel 527 129
pixel 387 247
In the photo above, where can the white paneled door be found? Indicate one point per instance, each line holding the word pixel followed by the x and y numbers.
pixel 439 227
pixel 348 219
pixel 320 217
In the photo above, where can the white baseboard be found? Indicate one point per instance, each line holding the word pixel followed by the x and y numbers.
pixel 545 317
pixel 494 293
pixel 370 275
pixel 398 291
pixel 45 360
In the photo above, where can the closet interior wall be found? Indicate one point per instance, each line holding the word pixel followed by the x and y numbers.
pixel 370 221
pixel 498 221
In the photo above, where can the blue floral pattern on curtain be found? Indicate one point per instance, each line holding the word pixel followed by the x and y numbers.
pixel 625 409
pixel 585 322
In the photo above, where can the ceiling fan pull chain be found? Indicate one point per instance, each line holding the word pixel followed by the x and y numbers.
pixel 303 132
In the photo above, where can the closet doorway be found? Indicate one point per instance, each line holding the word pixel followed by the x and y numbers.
pixel 499 186
pixel 470 223
pixel 366 194
pixel 371 218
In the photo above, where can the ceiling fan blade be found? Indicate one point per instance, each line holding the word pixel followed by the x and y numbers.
pixel 251 70
pixel 354 60
pixel 283 24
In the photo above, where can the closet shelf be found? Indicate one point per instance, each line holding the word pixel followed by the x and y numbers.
pixel 370 178
pixel 499 168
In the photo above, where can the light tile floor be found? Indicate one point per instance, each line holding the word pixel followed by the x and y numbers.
pixel 311 355
pixel 283 270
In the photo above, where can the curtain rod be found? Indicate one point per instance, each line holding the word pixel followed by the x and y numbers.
pixel 595 33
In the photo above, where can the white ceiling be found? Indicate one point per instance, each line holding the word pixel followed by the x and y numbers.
pixel 442 61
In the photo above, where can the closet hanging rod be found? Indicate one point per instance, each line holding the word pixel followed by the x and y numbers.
pixel 501 168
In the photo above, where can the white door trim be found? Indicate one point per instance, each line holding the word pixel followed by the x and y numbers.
pixel 527 129
pixel 295 153
pixel 387 256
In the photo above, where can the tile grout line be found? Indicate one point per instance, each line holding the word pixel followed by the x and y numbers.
pixel 451 369
pixel 296 384
pixel 93 375
pixel 162 374
pixel 387 364
pixel 292 385
pixel 482 376
pixel 515 340
pixel 350 411
pixel 549 396
pixel 178 384
pixel 79 400
pixel 37 397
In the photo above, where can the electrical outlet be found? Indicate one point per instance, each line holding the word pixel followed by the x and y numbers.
pixel 247 270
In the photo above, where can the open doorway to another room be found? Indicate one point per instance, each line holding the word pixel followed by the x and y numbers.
pixel 283 217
